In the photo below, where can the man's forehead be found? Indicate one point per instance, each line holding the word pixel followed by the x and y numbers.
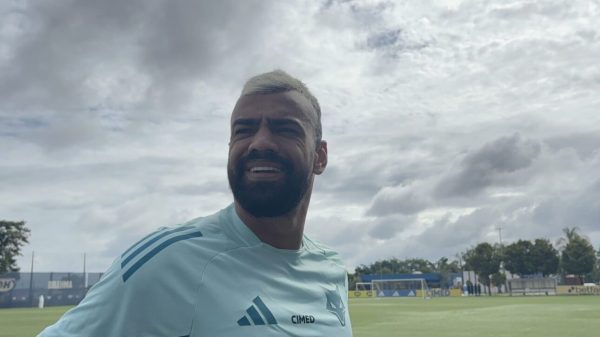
pixel 285 105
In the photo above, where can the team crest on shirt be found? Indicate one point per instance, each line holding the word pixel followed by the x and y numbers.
pixel 335 305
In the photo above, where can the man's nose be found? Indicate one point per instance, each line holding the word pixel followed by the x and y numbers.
pixel 263 140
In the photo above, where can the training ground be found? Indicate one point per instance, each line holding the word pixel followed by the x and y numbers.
pixel 543 316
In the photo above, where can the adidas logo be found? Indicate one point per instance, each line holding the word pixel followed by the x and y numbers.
pixel 257 314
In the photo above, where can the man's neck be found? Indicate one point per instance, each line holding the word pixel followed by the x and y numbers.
pixel 283 232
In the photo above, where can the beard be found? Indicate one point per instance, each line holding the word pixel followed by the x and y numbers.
pixel 267 198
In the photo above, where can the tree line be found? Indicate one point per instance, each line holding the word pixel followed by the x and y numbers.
pixel 573 255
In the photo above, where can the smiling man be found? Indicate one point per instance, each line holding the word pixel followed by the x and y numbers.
pixel 247 270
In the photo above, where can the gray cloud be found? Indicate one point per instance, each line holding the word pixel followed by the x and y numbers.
pixel 359 169
pixel 113 118
pixel 79 54
pixel 360 13
pixel 586 144
pixel 580 209
pixel 454 234
pixel 393 42
pixel 402 199
pixel 493 163
pixel 388 227
pixel 455 180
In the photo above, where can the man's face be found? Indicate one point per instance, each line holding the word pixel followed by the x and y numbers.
pixel 272 152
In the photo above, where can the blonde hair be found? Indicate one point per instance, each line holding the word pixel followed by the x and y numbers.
pixel 278 81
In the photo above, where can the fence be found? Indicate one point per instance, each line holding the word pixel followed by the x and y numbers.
pixel 532 286
pixel 25 289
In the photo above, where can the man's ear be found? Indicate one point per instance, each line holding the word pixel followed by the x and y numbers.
pixel 321 159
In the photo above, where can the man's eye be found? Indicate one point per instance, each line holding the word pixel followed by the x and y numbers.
pixel 242 131
pixel 288 131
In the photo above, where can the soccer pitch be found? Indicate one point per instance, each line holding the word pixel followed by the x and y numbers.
pixel 548 316
pixel 552 316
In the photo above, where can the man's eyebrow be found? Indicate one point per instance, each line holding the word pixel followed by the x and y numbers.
pixel 277 122
pixel 283 122
pixel 246 122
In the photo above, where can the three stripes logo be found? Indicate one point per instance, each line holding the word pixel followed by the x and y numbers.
pixel 257 314
pixel 141 246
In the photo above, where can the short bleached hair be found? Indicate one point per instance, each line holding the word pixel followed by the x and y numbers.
pixel 278 81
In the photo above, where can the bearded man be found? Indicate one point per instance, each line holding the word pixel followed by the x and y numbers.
pixel 247 270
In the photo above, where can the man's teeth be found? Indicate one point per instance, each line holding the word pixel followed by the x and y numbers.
pixel 259 169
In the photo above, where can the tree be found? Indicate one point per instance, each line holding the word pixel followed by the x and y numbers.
pixel 498 279
pixel 13 235
pixel 525 258
pixel 517 258
pixel 419 265
pixel 594 276
pixel 484 259
pixel 352 280
pixel 544 257
pixel 446 269
pixel 578 256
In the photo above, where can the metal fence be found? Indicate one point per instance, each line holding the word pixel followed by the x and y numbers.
pixel 25 289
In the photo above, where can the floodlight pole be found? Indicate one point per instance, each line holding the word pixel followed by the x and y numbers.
pixel 31 279
pixel 502 262
pixel 499 228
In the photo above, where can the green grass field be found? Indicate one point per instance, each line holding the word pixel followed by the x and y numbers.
pixel 28 322
pixel 554 316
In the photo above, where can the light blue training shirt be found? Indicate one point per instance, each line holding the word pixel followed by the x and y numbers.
pixel 212 277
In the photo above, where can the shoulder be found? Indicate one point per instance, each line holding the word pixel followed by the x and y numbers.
pixel 182 249
pixel 149 289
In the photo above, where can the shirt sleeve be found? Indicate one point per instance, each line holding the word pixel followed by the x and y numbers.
pixel 146 304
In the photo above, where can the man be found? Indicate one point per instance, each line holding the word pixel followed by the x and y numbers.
pixel 247 270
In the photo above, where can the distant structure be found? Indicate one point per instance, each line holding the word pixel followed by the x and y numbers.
pixel 27 289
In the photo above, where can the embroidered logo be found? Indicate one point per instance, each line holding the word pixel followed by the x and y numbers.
pixel 257 314
pixel 335 305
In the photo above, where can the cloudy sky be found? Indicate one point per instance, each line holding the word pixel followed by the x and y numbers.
pixel 446 119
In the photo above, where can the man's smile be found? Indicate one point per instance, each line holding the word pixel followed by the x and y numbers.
pixel 264 170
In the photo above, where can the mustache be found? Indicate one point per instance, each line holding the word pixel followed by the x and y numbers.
pixel 265 155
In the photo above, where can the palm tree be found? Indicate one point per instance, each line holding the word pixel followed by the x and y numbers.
pixel 570 235
pixel 577 254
